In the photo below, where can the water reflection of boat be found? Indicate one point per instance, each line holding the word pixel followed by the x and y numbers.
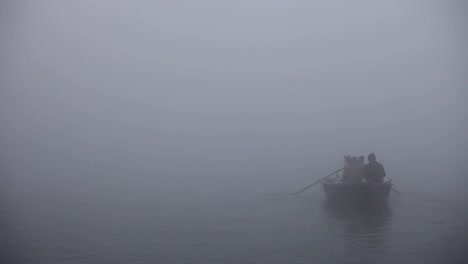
pixel 369 214
pixel 364 229
pixel 357 192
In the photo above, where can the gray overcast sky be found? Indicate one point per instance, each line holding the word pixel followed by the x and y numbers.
pixel 232 91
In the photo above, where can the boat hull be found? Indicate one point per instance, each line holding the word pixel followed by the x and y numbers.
pixel 360 192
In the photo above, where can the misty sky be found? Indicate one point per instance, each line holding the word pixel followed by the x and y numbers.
pixel 203 93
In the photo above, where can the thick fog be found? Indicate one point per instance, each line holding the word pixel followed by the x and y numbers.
pixel 229 96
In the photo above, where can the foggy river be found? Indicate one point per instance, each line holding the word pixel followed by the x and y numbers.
pixel 147 227
pixel 175 131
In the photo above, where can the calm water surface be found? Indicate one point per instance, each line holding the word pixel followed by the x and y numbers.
pixel 171 227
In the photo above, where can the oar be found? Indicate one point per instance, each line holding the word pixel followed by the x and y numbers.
pixel 319 181
pixel 393 189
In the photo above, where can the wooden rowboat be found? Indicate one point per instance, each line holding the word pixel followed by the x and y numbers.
pixel 357 192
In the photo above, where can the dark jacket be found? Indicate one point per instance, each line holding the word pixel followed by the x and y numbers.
pixel 374 171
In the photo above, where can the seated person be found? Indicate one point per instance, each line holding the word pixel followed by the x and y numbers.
pixel 374 171
pixel 353 170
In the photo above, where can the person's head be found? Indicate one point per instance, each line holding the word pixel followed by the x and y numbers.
pixel 361 159
pixel 371 157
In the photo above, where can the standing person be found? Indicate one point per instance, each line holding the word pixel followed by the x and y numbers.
pixel 374 171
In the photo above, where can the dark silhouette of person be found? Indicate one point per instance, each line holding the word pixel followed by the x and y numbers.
pixel 374 171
